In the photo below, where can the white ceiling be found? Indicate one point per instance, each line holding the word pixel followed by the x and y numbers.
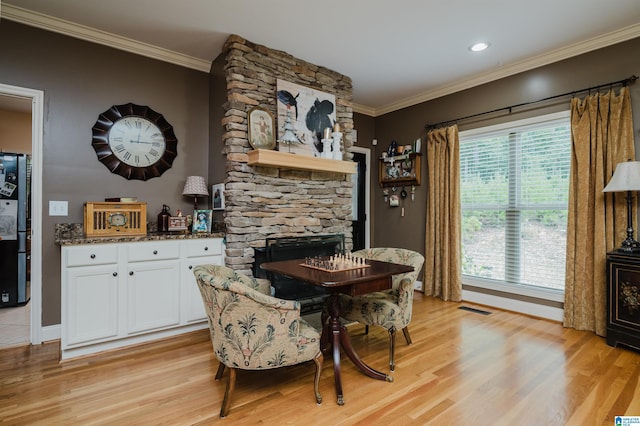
pixel 397 53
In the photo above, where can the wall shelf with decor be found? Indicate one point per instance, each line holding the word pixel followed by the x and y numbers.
pixel 400 170
pixel 285 160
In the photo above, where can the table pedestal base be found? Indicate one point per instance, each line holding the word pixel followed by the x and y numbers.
pixel 332 329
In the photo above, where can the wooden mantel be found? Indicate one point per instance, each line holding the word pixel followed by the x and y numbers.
pixel 285 160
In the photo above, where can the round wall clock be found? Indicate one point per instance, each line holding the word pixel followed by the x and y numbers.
pixel 134 141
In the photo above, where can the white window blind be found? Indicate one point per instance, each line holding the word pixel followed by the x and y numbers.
pixel 514 193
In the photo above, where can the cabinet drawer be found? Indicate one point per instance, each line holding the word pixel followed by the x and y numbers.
pixel 204 247
pixel 153 250
pixel 97 254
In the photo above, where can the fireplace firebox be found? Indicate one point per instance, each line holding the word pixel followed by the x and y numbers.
pixel 311 298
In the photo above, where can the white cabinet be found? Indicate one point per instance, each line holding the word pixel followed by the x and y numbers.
pixel 201 252
pixel 116 294
pixel 90 307
pixel 153 285
pixel 90 302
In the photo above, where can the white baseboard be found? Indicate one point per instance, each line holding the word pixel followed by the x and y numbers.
pixel 533 309
pixel 50 332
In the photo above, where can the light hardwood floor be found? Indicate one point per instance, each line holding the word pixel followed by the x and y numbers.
pixel 15 326
pixel 462 369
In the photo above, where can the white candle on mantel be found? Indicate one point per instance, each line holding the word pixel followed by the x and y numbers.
pixel 327 133
pixel 336 127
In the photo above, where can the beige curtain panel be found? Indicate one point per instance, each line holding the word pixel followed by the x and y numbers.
pixel 442 277
pixel 602 137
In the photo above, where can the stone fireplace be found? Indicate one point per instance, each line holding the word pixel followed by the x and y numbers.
pixel 268 202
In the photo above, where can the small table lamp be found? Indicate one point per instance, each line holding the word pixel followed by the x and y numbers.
pixel 626 178
pixel 193 187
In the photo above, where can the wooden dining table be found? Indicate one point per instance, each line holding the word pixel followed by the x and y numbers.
pixel 372 276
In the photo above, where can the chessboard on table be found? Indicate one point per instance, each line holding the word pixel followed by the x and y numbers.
pixel 336 263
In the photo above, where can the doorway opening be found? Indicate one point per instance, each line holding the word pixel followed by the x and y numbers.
pixel 14 95
pixel 361 196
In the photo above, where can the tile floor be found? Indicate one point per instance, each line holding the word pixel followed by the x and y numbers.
pixel 15 325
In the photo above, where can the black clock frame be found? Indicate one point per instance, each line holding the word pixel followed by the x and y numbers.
pixel 100 142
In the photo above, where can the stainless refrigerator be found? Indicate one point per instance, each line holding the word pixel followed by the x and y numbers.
pixel 15 173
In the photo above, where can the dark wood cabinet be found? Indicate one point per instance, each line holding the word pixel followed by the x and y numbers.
pixel 623 299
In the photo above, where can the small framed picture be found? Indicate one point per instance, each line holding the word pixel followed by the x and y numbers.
pixel 217 194
pixel 261 129
pixel 201 221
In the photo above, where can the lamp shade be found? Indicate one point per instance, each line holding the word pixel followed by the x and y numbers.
pixel 625 178
pixel 194 186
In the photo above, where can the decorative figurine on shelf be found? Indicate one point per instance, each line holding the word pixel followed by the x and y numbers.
pixel 289 137
pixel 393 172
pixel 393 148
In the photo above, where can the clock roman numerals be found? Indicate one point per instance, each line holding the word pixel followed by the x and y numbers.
pixel 136 141
pixel 140 143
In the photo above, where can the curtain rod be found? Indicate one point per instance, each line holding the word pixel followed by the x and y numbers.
pixel 626 81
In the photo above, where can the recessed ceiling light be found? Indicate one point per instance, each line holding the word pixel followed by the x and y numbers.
pixel 478 47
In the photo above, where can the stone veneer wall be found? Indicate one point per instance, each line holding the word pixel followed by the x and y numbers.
pixel 263 202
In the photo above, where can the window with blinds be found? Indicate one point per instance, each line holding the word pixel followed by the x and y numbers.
pixel 514 191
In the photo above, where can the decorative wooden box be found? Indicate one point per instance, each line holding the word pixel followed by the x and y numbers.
pixel 107 219
pixel 178 223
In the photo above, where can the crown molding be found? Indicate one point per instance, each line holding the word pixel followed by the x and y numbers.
pixel 93 35
pixel 363 109
pixel 557 55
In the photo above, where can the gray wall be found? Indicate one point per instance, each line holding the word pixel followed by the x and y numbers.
pixel 217 99
pixel 80 80
pixel 591 69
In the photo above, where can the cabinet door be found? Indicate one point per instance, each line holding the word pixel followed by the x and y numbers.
pixel 153 295
pixel 192 306
pixel 623 309
pixel 89 304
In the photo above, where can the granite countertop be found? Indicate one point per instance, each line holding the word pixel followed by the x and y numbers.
pixel 73 234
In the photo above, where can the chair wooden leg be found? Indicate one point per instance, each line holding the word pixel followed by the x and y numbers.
pixel 316 383
pixel 405 331
pixel 324 337
pixel 392 345
pixel 231 385
pixel 220 371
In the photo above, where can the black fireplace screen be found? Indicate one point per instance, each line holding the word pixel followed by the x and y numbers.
pixel 310 297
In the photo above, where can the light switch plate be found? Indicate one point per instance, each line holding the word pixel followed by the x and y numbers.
pixel 58 208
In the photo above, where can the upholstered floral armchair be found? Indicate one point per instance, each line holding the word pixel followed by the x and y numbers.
pixel 251 330
pixel 392 308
